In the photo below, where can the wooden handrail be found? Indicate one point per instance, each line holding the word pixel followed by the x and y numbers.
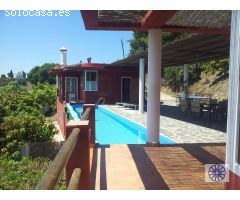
pixel 52 175
pixel 74 182
pixel 85 115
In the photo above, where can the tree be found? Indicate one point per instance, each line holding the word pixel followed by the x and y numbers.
pixel 139 42
pixel 4 80
pixel 3 76
pixel 39 74
pixel 10 74
pixel 24 75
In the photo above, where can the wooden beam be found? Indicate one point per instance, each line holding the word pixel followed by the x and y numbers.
pixel 156 18
pixel 90 19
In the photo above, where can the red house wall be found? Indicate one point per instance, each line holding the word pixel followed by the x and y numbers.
pixel 109 85
pixel 234 182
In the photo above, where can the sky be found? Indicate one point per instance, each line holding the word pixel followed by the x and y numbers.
pixel 29 41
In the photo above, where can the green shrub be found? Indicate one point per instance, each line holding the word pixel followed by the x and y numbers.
pixel 24 174
pixel 45 97
pixel 23 128
pixel 220 66
pixel 22 118
pixel 174 76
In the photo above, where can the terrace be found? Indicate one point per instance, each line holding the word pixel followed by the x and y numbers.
pixel 153 165
pixel 175 166
pixel 129 166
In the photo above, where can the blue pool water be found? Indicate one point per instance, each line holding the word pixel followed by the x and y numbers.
pixel 112 128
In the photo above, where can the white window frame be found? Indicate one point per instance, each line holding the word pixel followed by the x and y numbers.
pixel 69 77
pixel 85 80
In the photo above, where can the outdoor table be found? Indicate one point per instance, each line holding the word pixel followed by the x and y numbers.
pixel 193 97
pixel 178 98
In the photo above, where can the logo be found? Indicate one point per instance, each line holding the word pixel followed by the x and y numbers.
pixel 216 173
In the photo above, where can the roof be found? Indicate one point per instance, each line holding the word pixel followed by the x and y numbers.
pixel 76 67
pixel 195 21
pixel 199 48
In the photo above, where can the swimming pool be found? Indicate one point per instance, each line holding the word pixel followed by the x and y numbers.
pixel 112 128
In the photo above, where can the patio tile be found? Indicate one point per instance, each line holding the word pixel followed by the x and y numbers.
pixel 164 167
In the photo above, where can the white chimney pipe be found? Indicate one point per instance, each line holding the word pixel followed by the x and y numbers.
pixel 63 51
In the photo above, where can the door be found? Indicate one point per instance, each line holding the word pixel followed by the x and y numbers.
pixel 126 83
pixel 72 88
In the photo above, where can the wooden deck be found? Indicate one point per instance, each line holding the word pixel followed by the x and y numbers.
pixel 178 166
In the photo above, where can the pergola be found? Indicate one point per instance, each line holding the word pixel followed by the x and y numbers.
pixel 190 51
pixel 155 22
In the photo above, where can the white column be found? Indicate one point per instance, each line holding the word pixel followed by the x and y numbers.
pixel 185 80
pixel 154 77
pixel 234 96
pixel 141 86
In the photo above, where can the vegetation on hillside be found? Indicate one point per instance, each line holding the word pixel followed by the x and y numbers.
pixel 24 108
pixel 173 76
pixel 24 174
pixel 22 115
pixel 39 74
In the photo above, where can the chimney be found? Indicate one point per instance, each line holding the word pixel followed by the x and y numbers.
pixel 63 51
pixel 89 60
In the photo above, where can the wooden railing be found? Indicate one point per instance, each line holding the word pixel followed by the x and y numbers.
pixel 74 181
pixel 74 155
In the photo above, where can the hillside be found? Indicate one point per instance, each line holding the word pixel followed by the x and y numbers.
pixel 208 83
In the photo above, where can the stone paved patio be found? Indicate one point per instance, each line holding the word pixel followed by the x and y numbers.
pixel 173 125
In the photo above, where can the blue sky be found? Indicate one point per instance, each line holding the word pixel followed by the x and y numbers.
pixel 30 41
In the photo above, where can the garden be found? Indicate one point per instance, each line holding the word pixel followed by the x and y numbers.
pixel 25 110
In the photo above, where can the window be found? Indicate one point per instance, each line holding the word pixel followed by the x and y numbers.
pixel 71 86
pixel 91 81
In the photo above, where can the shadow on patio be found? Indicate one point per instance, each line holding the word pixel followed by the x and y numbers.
pixel 178 166
pixel 173 112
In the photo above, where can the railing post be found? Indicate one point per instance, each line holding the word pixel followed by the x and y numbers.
pixel 91 119
pixel 80 157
